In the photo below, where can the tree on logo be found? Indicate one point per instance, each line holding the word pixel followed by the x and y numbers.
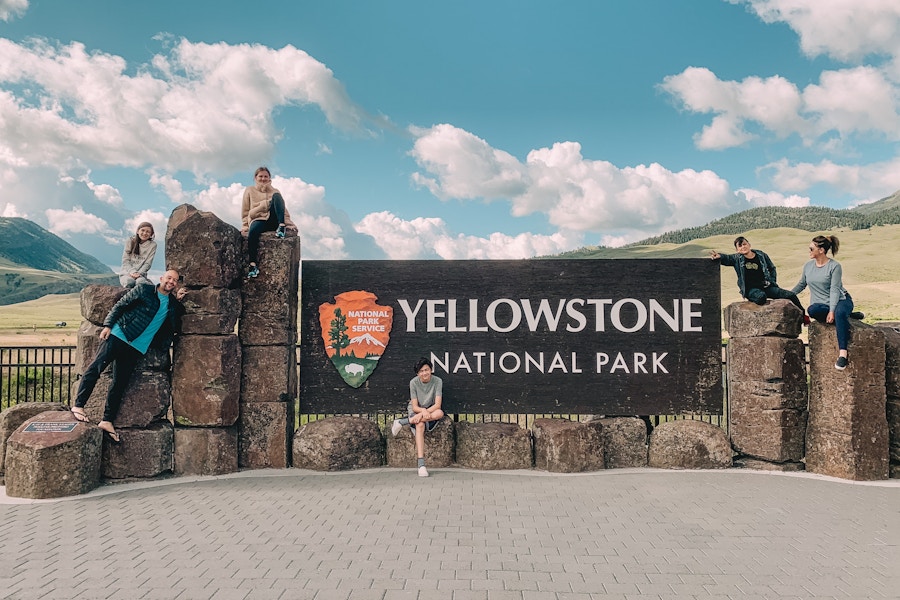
pixel 337 334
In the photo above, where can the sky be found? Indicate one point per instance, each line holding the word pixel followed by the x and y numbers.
pixel 472 129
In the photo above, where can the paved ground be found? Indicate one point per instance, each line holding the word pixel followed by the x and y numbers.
pixel 387 534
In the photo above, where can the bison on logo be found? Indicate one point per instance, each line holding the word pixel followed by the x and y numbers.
pixel 356 332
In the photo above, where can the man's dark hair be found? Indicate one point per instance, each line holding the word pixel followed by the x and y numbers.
pixel 739 240
pixel 421 363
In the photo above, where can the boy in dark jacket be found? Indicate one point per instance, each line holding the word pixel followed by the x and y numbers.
pixel 756 274
pixel 146 316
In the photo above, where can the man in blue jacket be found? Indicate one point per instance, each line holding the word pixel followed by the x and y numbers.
pixel 756 274
pixel 145 316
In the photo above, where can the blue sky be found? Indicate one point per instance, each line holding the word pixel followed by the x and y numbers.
pixel 407 129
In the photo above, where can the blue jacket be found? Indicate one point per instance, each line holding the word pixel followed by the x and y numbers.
pixel 737 261
pixel 134 311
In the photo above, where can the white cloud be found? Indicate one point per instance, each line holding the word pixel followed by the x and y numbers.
pixel 757 198
pixel 73 103
pixel 430 238
pixel 63 222
pixel 574 193
pixel 865 182
pixel 10 210
pixel 846 30
pixel 12 8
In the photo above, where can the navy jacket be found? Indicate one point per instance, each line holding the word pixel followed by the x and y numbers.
pixel 134 311
pixel 737 261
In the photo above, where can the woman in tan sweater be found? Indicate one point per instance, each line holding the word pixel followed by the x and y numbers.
pixel 262 210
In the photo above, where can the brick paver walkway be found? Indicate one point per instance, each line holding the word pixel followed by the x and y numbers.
pixel 386 534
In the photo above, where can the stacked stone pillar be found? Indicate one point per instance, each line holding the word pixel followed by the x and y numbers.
pixel 147 437
pixel 268 335
pixel 206 381
pixel 847 435
pixel 892 388
pixel 767 390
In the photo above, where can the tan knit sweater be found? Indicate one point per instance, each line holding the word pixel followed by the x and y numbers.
pixel 255 206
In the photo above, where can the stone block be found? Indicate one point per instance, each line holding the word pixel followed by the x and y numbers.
pixel 269 374
pixel 847 433
pixel 279 275
pixel 145 401
pixel 141 453
pixel 206 380
pixel 688 444
pixel 563 446
pixel 893 417
pixel 624 442
pixel 97 300
pixel 773 435
pixel 754 396
pixel 205 450
pixel 775 318
pixel 204 250
pixel 771 359
pixel 892 362
pixel 265 430
pixel 263 330
pixel 440 446
pixel 211 311
pixel 53 464
pixel 747 462
pixel 339 444
pixel 493 446
pixel 14 416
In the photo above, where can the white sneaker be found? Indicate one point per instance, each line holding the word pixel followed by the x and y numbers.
pixel 423 472
pixel 396 427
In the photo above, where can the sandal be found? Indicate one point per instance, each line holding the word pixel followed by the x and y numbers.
pixel 79 415
pixel 112 434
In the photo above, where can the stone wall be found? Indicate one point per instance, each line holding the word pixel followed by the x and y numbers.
pixel 892 389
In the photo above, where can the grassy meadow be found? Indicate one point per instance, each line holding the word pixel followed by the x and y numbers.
pixel 870 258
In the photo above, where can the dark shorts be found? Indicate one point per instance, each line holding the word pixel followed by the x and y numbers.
pixel 429 426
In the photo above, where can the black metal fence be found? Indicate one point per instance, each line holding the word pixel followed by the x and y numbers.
pixel 35 374
pixel 45 374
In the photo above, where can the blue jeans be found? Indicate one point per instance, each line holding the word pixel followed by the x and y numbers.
pixel 841 318
pixel 276 218
pixel 124 358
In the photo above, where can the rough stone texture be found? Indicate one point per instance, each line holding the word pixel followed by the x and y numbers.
pixel 211 311
pixel 204 250
pixel 265 430
pixel 52 465
pixel 774 318
pixel 440 446
pixel 624 442
pixel 206 380
pixel 88 340
pixel 98 300
pixel 339 444
pixel 563 446
pixel 687 444
pixel 269 302
pixel 141 453
pixel 145 401
pixel 747 462
pixel 775 435
pixel 493 446
pixel 269 374
pixel 12 417
pixel 205 450
pixel 892 390
pixel 847 434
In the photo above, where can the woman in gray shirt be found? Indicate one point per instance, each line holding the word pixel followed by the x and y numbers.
pixel 829 302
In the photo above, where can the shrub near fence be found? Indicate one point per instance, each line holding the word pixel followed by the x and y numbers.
pixel 35 374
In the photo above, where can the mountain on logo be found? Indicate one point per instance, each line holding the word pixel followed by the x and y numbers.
pixel 366 339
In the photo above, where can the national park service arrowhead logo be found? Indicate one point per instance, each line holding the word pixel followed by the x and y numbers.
pixel 356 332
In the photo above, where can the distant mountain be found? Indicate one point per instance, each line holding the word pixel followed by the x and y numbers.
pixel 35 262
pixel 808 218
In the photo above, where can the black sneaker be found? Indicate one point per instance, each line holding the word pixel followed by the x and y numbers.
pixel 279 233
pixel 857 315
pixel 841 363
pixel 253 272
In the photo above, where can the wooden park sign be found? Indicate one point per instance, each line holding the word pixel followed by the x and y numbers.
pixel 614 337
